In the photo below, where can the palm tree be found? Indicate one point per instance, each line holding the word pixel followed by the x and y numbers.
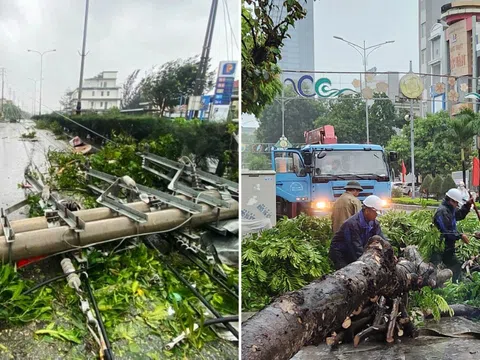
pixel 464 127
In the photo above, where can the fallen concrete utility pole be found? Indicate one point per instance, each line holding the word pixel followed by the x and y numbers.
pixel 57 239
pixel 313 313
pixel 38 223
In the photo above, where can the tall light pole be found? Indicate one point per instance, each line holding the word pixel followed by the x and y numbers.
pixel 82 63
pixel 204 58
pixel 363 53
pixel 41 74
pixel 34 95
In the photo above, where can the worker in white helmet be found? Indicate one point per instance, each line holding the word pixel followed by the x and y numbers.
pixel 452 209
pixel 349 241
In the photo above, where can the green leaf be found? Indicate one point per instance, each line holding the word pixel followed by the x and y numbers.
pixel 61 335
pixel 135 286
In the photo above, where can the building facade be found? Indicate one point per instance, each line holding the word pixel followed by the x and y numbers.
pixel 461 23
pixel 99 93
pixel 429 14
pixel 437 65
pixel 450 49
pixel 298 52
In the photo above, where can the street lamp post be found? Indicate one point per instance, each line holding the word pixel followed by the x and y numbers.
pixel 34 95
pixel 41 75
pixel 82 63
pixel 364 55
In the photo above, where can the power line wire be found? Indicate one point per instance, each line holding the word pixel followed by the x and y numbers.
pixel 226 30
pixel 230 23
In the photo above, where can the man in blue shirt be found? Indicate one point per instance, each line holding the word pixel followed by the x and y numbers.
pixel 349 241
pixel 445 219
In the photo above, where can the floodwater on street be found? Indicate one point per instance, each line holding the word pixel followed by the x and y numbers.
pixel 16 154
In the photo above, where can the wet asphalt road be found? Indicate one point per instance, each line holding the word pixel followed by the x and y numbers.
pixel 16 154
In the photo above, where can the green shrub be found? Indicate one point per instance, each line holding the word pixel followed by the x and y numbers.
pixel 257 161
pixel 200 140
pixel 42 124
pixel 448 184
pixel 419 202
pixel 29 135
pixel 462 292
pixel 56 128
pixel 436 187
pixel 284 258
pixel 425 187
pixel 397 192
pixel 415 228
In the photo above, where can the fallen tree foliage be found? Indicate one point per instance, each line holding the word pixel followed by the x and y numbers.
pixel 376 286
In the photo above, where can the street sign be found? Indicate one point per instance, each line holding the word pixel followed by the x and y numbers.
pixel 225 83
pixel 283 143
pixel 194 103
pixel 411 86
pixel 206 100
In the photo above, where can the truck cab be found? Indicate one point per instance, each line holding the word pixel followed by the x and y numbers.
pixel 310 179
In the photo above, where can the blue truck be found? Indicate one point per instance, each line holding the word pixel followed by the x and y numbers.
pixel 311 178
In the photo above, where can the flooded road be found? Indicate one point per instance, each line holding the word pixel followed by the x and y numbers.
pixel 16 154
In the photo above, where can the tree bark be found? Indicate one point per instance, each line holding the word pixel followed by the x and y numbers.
pixel 310 314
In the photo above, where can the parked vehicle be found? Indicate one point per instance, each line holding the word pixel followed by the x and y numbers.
pixel 407 189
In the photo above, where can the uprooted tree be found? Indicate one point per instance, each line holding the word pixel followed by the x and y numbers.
pixel 349 300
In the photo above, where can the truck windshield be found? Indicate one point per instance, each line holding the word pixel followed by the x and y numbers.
pixel 351 162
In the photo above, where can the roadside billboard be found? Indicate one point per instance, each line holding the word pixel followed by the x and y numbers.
pixel 460 49
pixel 225 83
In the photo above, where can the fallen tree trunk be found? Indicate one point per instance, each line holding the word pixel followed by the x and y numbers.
pixel 309 315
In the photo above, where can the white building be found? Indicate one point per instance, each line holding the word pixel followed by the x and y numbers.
pixel 99 93
pixel 429 14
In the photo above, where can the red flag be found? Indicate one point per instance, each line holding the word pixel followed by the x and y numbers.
pixel 404 171
pixel 476 170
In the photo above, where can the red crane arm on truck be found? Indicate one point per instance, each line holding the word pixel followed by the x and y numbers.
pixel 322 135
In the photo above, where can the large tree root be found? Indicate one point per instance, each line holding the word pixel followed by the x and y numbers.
pixel 328 307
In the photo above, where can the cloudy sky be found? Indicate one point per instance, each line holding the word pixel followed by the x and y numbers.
pixel 374 21
pixel 123 35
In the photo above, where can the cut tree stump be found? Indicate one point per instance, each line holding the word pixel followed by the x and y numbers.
pixel 314 312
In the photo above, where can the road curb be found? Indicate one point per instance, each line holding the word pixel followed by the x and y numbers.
pixel 412 207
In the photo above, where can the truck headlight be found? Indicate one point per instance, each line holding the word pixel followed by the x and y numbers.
pixel 385 203
pixel 321 205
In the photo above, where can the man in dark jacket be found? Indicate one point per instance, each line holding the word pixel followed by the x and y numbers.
pixel 445 219
pixel 349 241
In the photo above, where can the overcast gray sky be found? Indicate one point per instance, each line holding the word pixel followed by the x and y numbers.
pixel 123 35
pixel 374 21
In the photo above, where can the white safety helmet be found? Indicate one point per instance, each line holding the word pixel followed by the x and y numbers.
pixel 373 202
pixel 455 195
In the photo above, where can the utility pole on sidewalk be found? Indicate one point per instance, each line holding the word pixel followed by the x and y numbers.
pixel 411 86
pixel 82 63
pixel 3 87
pixel 204 59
